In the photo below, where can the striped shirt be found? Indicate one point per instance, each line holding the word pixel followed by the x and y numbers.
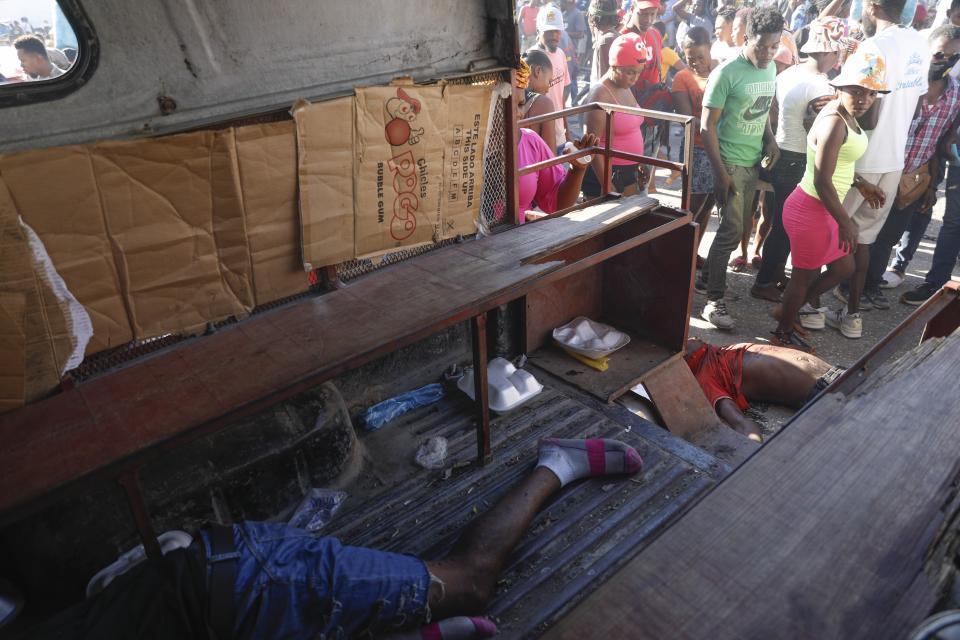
pixel 930 124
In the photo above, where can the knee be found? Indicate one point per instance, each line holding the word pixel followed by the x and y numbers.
pixel 845 267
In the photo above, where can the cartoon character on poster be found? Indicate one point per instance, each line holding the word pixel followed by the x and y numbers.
pixel 402 111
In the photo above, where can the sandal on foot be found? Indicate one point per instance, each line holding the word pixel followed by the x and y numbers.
pixel 756 262
pixel 739 263
pixel 791 340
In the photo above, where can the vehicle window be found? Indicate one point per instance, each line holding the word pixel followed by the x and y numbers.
pixel 40 46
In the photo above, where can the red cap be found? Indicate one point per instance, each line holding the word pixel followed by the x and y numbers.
pixel 646 4
pixel 627 50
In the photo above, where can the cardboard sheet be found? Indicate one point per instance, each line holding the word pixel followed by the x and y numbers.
pixel 325 155
pixel 32 332
pixel 173 213
pixel 267 155
pixel 399 167
pixel 417 169
pixel 12 348
pixel 468 109
pixel 55 192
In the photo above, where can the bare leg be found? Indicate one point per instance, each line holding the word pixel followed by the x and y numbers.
pixel 837 271
pixel 862 258
pixel 763 228
pixel 794 296
pixel 470 572
pixel 701 204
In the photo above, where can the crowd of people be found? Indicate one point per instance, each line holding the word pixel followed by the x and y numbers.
pixel 826 126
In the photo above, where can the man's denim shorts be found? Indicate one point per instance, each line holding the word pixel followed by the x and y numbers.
pixel 291 583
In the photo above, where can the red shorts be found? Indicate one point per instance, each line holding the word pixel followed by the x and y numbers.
pixel 719 371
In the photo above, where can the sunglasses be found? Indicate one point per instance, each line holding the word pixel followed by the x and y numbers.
pixel 942 55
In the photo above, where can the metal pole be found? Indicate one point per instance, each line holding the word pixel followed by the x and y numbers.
pixel 605 182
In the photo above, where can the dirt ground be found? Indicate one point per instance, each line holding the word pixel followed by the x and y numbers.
pixel 754 324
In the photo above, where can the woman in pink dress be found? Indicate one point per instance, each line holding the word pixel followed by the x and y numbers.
pixel 628 54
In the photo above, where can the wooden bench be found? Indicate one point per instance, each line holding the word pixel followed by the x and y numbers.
pixel 113 424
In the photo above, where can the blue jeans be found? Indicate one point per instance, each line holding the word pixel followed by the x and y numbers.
pixel 787 174
pixel 905 225
pixel 948 242
pixel 291 583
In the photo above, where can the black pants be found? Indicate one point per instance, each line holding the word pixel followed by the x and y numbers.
pixel 776 248
pixel 621 177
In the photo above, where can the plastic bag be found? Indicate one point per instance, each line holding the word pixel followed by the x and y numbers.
pixel 317 509
pixel 432 454
pixel 382 413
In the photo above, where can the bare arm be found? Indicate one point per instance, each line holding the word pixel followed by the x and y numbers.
pixel 730 413
pixel 570 187
pixel 833 9
pixel 596 124
pixel 547 130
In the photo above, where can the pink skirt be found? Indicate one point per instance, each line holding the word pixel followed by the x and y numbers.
pixel 814 234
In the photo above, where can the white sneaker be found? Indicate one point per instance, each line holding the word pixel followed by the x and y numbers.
pixel 716 314
pixel 891 279
pixel 849 324
pixel 811 317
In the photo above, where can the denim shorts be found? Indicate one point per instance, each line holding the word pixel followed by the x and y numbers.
pixel 291 583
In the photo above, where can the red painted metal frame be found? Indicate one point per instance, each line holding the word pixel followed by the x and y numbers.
pixel 608 153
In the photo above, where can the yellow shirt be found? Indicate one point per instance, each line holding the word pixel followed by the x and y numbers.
pixel 668 58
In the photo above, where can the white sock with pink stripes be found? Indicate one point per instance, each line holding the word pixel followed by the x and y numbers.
pixel 574 459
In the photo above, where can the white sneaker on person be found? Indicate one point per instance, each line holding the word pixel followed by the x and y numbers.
pixel 891 279
pixel 849 324
pixel 811 317
pixel 715 312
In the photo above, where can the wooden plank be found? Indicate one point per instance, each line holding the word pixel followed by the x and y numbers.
pixel 559 303
pixel 824 533
pixel 628 367
pixel 686 412
pixel 649 289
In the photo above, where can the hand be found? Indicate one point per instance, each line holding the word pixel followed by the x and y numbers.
pixel 772 151
pixel 644 174
pixel 849 232
pixel 873 194
pixel 588 140
pixel 723 188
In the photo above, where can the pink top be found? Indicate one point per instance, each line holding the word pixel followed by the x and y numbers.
pixel 540 188
pixel 626 136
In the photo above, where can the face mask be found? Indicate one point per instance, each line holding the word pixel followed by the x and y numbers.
pixel 940 68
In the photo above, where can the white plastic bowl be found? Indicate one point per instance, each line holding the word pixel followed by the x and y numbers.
pixel 589 338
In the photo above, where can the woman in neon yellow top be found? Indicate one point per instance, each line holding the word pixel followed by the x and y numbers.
pixel 820 230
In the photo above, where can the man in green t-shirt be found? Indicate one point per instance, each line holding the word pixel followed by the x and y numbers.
pixel 736 133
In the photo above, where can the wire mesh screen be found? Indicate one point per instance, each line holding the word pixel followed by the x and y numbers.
pixel 493 198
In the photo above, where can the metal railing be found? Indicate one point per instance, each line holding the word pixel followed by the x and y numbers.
pixel 609 110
